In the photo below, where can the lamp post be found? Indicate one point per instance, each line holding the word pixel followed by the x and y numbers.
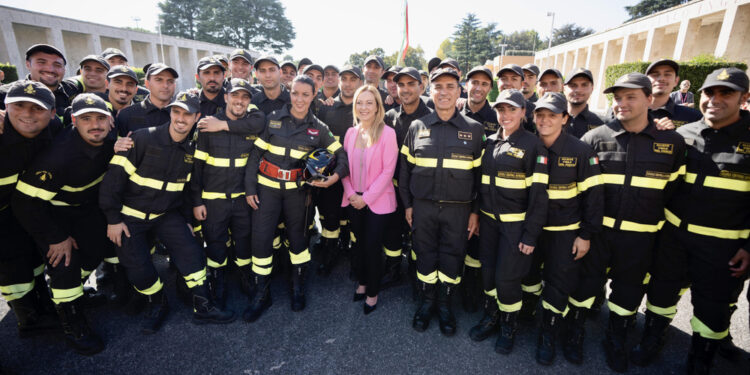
pixel 551 32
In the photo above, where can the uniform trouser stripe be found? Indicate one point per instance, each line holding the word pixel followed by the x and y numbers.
pixel 196 278
pixel 513 307
pixel 583 304
pixel 447 279
pixel 158 285
pixel 260 270
pixel 330 234
pixel 277 242
pixel 66 295
pixel 300 258
pixel 430 278
pixel 705 332
pixel 667 312
pixel 469 261
pixel 16 291
pixel 214 264
pixel 242 262
pixel 112 260
pixel 85 273
pixel 535 289
pixel 491 293
pixel 38 270
pixel 392 253
pixel 548 306
pixel 413 255
pixel 620 310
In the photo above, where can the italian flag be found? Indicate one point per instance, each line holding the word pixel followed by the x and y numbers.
pixel 541 159
pixel 594 161
pixel 405 40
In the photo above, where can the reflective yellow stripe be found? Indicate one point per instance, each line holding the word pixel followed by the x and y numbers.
pixel 218 162
pixel 263 261
pixel 608 222
pixel 546 305
pixel 672 218
pixel 211 195
pixel 261 144
pixel 214 264
pixel 9 180
pixel 478 161
pixel 648 182
pixel 446 279
pixel 38 270
pixel 647 278
pixel 85 273
pixel 82 188
pixel 633 226
pixel 491 293
pixel 413 255
pixel 690 177
pixel 729 234
pixel 281 151
pixel 196 278
pixel 509 308
pixel 300 258
pixel 563 194
pixel 458 164
pixel 534 289
pixel 702 329
pixel 616 179
pixel 469 261
pixel 34 191
pixel 15 291
pixel 259 270
pixel 583 304
pixel 727 184
pixel 678 173
pixel 138 214
pixel 124 163
pixel 330 234
pixel 273 184
pixel 392 253
pixel 667 312
pixel 405 152
pixel 200 155
pixel 425 162
pixel 507 218
pixel 61 203
pixel 147 182
pixel 485 179
pixel 395 182
pixel 430 278
pixel 176 186
pixel 511 183
pixel 561 228
pixel 352 237
pixel 538 178
pixel 619 310
pixel 112 260
pixel 66 295
pixel 590 182
pixel 337 137
pixel 152 289
pixel 333 147
pixel 242 262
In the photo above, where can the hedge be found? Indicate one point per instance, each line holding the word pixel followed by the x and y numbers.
pixel 694 71
pixel 140 74
pixel 11 74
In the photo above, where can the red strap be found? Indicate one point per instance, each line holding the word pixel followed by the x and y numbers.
pixel 271 170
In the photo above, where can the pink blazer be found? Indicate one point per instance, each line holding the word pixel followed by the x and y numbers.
pixel 380 159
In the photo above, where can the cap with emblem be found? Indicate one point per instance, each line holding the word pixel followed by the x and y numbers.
pixel 187 101
pixel 408 72
pixel 236 84
pixel 352 70
pixel 376 59
pixel 88 102
pixel 444 72
pixel 732 78
pixel 97 59
pixel 580 72
pixel 208 62
pixel 313 67
pixel 289 64
pixel 112 52
pixel 30 91
pixel 122 70
pixel 552 71
pixel 449 62
pixel 433 63
pixel 513 68
pixel 157 68
pixel 45 48
pixel 630 81
pixel 533 69
pixel 554 101
pixel 392 71
pixel 270 59
pixel 512 97
pixel 480 70
pixel 671 63
pixel 241 53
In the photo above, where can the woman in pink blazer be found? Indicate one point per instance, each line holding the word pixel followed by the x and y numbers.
pixel 369 196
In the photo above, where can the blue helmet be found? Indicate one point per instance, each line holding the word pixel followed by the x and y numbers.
pixel 319 164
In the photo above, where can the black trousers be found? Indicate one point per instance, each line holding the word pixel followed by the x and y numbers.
pixel 703 260
pixel 503 264
pixel 20 261
pixel 439 239
pixel 368 229
pixel 274 204
pixel 185 252
pixel 396 229
pixel 223 216
pixel 560 272
pixel 328 201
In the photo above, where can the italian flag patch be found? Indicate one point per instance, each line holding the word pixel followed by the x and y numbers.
pixel 541 159
pixel 594 161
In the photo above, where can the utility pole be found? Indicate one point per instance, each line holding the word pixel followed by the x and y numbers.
pixel 551 32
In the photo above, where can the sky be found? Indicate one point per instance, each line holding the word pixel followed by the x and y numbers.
pixel 328 31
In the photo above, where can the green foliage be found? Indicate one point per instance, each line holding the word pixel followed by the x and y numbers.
pixel 445 48
pixel 139 29
pixel 473 44
pixel 414 58
pixel 524 40
pixel 140 74
pixel 492 95
pixel 648 7
pixel 11 74
pixel 568 32
pixel 694 71
pixel 358 59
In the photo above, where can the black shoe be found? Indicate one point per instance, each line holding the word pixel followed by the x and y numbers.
pixel 298 287
pixel 471 289
pixel 529 304
pixel 574 334
pixel 217 287
pixel 157 309
pixel 329 251
pixel 206 311
pixel 701 355
pixel 368 309
pixel 595 310
pixel 504 343
pixel 728 350
pixel 261 301
pixel 78 334
pixel 121 289
pixel 614 342
pixel 489 323
pixel 247 286
pixel 104 275
pixel 654 335
pixel 392 274
pixel 545 346
pixel 184 294
pixel 136 304
pixel 32 320
pixel 43 300
pixel 92 298
pixel 426 307
pixel 445 312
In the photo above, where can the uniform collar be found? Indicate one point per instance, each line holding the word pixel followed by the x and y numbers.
pixel 455 120
pixel 421 109
pixel 735 130
pixel 10 136
pixel 668 107
pixel 650 129
pixel 513 137
pixel 467 111
pixel 218 99
pixel 148 106
pixel 90 151
pixel 559 143
pixel 161 133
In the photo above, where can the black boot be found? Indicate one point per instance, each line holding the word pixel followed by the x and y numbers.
pixel 92 298
pixel 43 302
pixel 392 275
pixel 78 334
pixel 328 252
pixel 596 308
pixel 545 345
pixel 157 309
pixel 471 289
pixel 701 355
pixel 530 301
pixel 344 239
pixel 261 300
pixel 217 287
pixel 184 294
pixel 504 343
pixel 104 275
pixel 614 342
pixel 445 312
pixel 31 319
pixel 489 323
pixel 727 349
pixel 574 334
pixel 121 289
pixel 412 275
pixel 206 311
pixel 299 272
pixel 247 286
pixel 426 307
pixel 654 334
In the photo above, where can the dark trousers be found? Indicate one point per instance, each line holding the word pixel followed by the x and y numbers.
pixel 368 229
pixel 396 229
pixel 704 261
pixel 439 239
pixel 503 264
pixel 185 252
pixel 20 262
pixel 554 252
pixel 328 201
pixel 223 216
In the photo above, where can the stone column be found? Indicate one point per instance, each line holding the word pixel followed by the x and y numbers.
pixel 600 77
pixel 649 44
pixel 95 43
pixel 726 29
pixel 55 38
pixel 680 43
pixel 624 51
pixel 11 47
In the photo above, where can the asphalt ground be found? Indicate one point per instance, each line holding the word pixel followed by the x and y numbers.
pixel 331 336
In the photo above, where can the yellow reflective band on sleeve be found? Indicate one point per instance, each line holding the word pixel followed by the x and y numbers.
pixel 330 234
pixel 485 179
pixel 638 227
pixel 112 260
pixel 667 312
pixel 563 194
pixel 333 147
pixel 242 262
pixel 425 162
pixel 9 180
pixel 509 183
pixel 672 218
pixel 124 163
pixel 175 186
pixel 273 184
pixel 679 172
pixel 446 279
pixel 469 261
pixel 405 152
pixel 259 270
pixel 729 234
pixel 66 295
pixel 261 144
pixel 138 214
pixel 509 308
pixel 211 195
pixel 539 178
pixel 690 177
pixel 430 278
pixel 648 182
pixel 590 182
pixel 158 285
pixel 413 255
pixel 705 332
pixel 337 138
pixel 218 162
pixel 509 218
pixel 300 258
pixel 615 179
pixel 392 253
pixel 533 289
pixel 619 310
pixel 478 161
pixel 561 228
pixel 82 188
pixel 15 291
pixel 547 306
pixel 458 164
pixel 34 191
pixel 147 182
pixel 491 293
pixel 352 237
pixel 727 184
pixel 608 222
pixel 196 278
pixel 200 155
pixel 213 264
pixel 583 304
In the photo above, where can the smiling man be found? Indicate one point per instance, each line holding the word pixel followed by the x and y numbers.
pixel 664 76
pixel 511 76
pixel 273 95
pixel 123 83
pixel 579 85
pixel 152 111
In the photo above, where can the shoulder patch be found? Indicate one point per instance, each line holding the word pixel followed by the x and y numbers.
pixel 743 148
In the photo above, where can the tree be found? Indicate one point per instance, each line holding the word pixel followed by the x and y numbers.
pixel 568 32
pixel 648 7
pixel 524 40
pixel 358 59
pixel 473 44
pixel 180 18
pixel 414 58
pixel 445 47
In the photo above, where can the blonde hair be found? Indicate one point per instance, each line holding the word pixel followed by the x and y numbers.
pixel 376 129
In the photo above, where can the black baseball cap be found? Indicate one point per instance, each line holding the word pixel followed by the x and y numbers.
pixel 433 63
pixel 236 84
pixel 551 71
pixel 630 81
pixel 88 102
pixel 289 63
pixel 554 101
pixel 531 68
pixel 480 69
pixel 513 68
pixel 376 59
pixel 112 52
pixel 187 101
pixel 424 73
pixel 46 48
pixel 304 61
pixel 314 67
pixel 157 68
pixel 580 72
pixel 208 62
pixel 449 61
pixel 667 62
pixel 222 59
pixel 96 59
pixel 241 53
pixel 146 68
pixel 351 69
pixel 732 78
pixel 510 96
pixel 25 90
pixel 392 70
pixel 444 71
pixel 408 71
pixel 122 70
pixel 333 67
pixel 270 59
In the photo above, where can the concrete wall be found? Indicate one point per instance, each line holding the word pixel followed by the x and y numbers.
pixel 20 29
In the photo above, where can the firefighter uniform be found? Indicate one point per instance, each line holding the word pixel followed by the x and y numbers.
pixel 679 114
pixel 273 174
pixel 267 105
pixel 140 116
pixel 586 120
